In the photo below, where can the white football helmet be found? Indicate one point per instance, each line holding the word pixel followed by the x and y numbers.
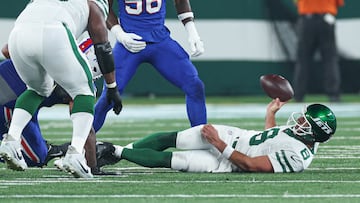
pixel 87 48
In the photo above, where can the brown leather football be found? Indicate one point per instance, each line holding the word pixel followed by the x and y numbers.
pixel 276 86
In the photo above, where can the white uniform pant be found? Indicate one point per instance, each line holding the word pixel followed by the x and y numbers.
pixel 201 156
pixel 43 53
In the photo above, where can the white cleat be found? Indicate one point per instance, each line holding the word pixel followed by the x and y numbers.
pixel 75 163
pixel 58 163
pixel 10 151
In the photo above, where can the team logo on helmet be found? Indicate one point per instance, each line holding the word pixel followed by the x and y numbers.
pixel 323 125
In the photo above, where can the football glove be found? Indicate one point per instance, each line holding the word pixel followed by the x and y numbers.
pixel 196 45
pixel 113 96
pixel 131 41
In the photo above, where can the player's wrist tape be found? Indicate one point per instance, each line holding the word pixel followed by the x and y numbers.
pixel 228 151
pixel 183 16
pixel 111 85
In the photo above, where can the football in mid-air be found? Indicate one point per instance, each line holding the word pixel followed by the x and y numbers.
pixel 276 86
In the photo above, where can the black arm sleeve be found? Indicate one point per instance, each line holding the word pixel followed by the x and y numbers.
pixel 103 52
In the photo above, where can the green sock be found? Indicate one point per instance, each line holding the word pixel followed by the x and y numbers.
pixel 83 103
pixel 157 141
pixel 147 157
pixel 29 101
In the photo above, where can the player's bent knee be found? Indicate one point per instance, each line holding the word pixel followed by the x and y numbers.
pixel 194 88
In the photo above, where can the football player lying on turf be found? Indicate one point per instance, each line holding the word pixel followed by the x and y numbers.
pixel 221 148
pixel 35 150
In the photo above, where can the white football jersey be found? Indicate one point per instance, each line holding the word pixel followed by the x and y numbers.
pixel 285 151
pixel 73 13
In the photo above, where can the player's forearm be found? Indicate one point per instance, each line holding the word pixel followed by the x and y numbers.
pixel 239 159
pixel 96 25
pixel 184 11
pixel 270 120
pixel 272 108
pixel 250 164
pixel 109 78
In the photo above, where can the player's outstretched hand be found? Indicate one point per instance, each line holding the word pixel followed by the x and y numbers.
pixel 113 96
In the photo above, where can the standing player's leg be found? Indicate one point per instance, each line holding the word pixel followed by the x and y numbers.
pixel 126 64
pixel 72 72
pixel 329 55
pixel 174 64
pixel 305 53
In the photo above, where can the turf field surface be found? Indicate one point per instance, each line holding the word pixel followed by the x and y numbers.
pixel 332 177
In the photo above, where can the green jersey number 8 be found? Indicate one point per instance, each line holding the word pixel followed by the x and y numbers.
pixel 261 137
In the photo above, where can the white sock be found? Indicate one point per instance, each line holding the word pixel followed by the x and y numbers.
pixel 129 146
pixel 118 151
pixel 82 123
pixel 18 122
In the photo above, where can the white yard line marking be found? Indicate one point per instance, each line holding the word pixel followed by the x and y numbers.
pixel 187 196
pixel 96 180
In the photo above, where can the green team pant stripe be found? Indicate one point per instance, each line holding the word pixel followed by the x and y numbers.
pixel 79 58
pixel 29 101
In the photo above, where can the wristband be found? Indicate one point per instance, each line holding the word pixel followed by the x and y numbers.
pixel 228 151
pixel 111 85
pixel 185 15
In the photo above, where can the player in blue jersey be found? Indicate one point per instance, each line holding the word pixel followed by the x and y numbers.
pixel 142 37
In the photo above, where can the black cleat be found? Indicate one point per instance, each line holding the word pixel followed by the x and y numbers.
pixel 56 151
pixel 97 171
pixel 105 154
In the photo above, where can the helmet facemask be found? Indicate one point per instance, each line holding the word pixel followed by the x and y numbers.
pixel 301 126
